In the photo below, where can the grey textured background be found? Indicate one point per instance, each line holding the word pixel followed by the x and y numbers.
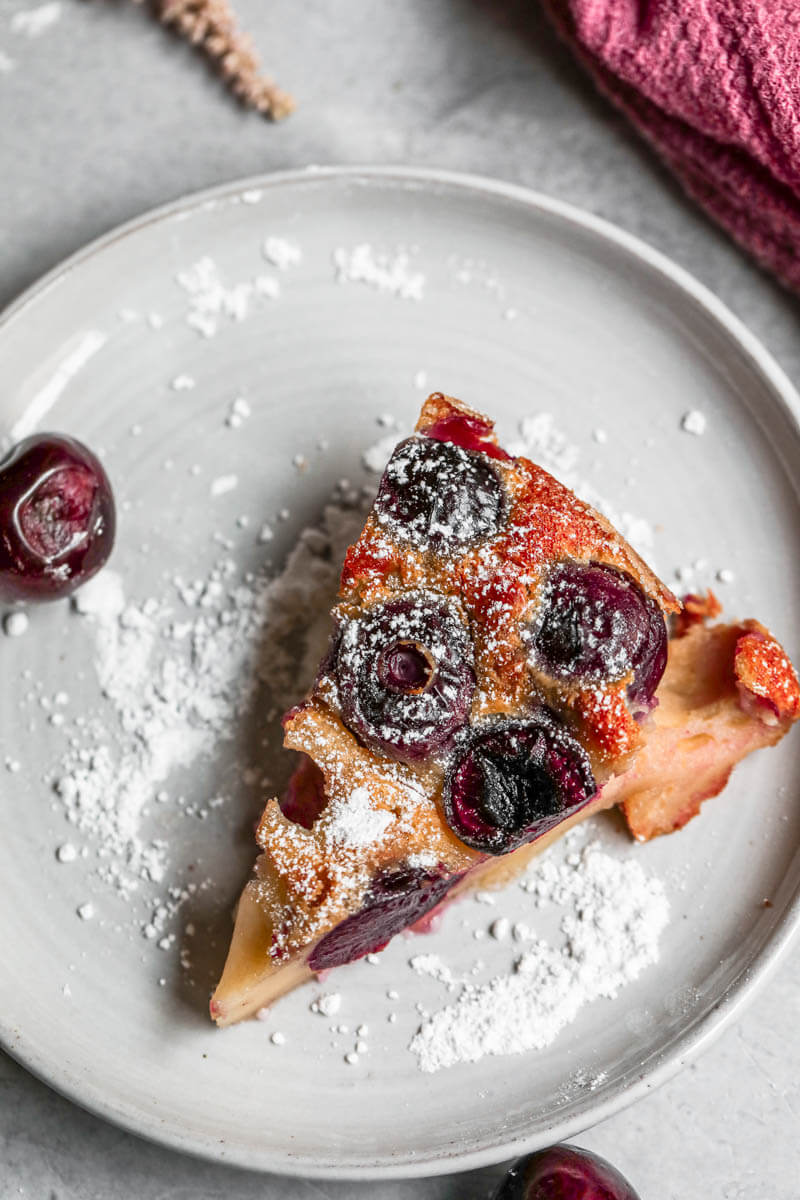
pixel 105 115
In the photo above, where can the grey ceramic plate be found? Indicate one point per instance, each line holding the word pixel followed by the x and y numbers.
pixel 525 305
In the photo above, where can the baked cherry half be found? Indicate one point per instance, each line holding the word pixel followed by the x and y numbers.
pixel 405 676
pixel 397 898
pixel 439 496
pixel 513 781
pixel 596 624
pixel 57 518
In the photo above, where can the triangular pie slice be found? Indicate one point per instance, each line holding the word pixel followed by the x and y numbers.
pixel 499 668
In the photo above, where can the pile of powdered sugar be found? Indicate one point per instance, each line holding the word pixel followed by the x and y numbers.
pixel 384 271
pixel 358 823
pixel 614 916
pixel 211 301
pixel 179 673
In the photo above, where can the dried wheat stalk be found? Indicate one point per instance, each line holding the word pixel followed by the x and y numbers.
pixel 211 26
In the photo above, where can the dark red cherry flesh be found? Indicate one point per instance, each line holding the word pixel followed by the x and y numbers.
pixel 468 432
pixel 564 1173
pixel 304 798
pixel 57 518
pixel 397 898
pixel 515 781
pixel 597 625
pixel 404 667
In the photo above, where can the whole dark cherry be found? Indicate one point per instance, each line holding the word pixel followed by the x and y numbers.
pixel 564 1173
pixel 596 624
pixel 514 781
pixel 405 675
pixel 57 518
pixel 439 496
pixel 397 898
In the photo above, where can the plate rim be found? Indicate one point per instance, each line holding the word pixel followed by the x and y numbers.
pixel 698 1037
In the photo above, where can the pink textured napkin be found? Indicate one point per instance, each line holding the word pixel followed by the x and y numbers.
pixel 714 85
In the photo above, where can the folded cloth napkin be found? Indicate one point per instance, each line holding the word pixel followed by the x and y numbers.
pixel 714 85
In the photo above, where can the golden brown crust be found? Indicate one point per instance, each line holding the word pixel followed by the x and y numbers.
pixel 728 690
pixel 317 876
pixel 764 672
pixel 696 608
pixel 439 407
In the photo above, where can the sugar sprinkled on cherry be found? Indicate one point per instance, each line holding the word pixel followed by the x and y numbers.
pixel 597 625
pixel 405 675
pixel 439 496
pixel 397 898
pixel 514 781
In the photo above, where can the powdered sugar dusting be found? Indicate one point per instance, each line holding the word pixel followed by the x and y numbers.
pixel 542 441
pixel 223 484
pixel 103 595
pixel 212 302
pixel 282 253
pixel 179 673
pixel 15 623
pixel 694 422
pixel 377 455
pixel 356 823
pixel 33 22
pixel 614 916
pixel 434 967
pixel 460 496
pixel 384 272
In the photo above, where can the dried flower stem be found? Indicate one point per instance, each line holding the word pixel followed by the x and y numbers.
pixel 210 25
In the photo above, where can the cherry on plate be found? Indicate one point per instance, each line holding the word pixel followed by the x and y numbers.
pixel 57 518
pixel 564 1173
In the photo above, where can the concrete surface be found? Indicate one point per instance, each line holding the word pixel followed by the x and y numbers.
pixel 104 115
